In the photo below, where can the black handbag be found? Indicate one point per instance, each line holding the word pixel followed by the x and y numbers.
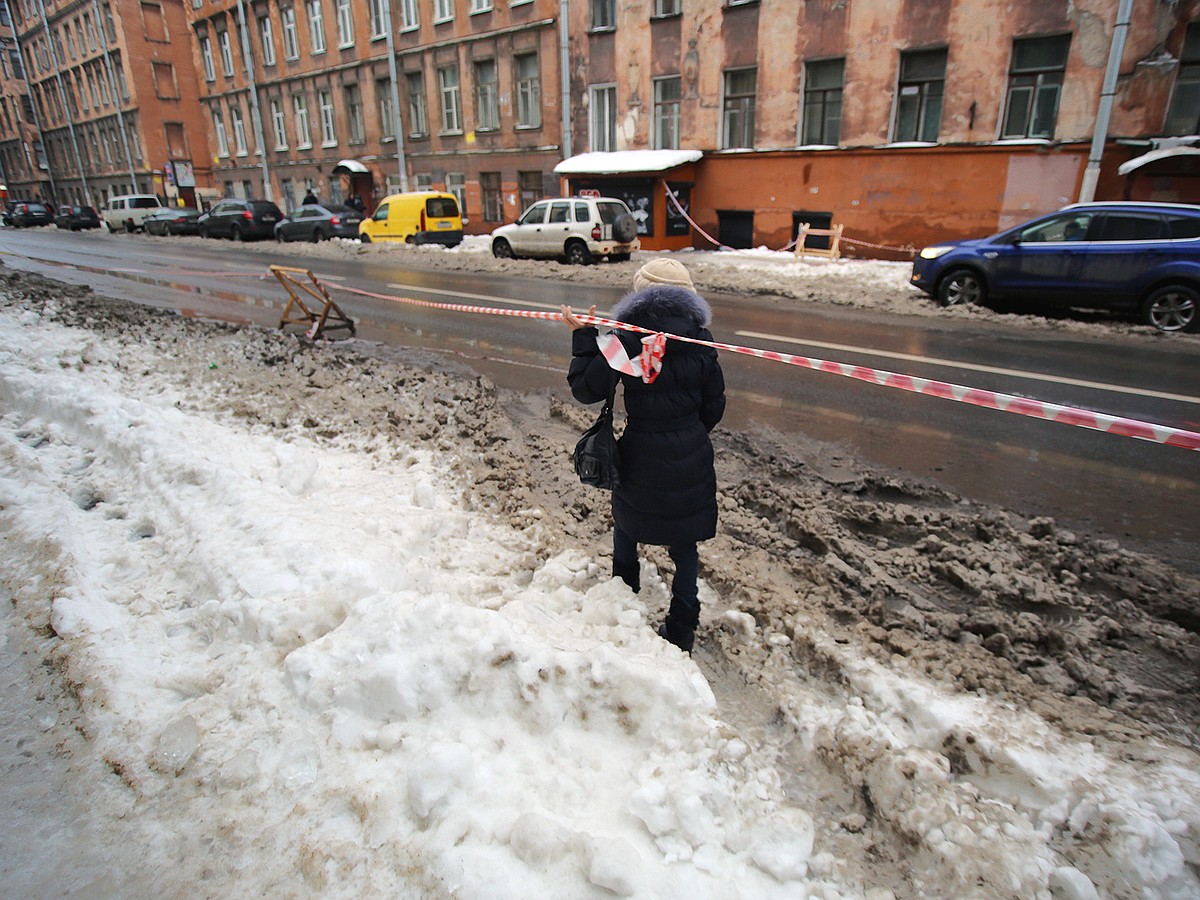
pixel 596 459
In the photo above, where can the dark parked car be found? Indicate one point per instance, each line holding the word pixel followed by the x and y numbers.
pixel 319 222
pixel 173 220
pixel 1136 257
pixel 26 215
pixel 74 218
pixel 240 220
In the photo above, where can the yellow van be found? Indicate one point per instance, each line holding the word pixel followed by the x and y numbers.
pixel 419 217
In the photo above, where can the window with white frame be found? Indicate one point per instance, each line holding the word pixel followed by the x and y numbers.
pixel 279 124
pixel 408 15
pixel 737 108
pixel 387 118
pixel 668 93
pixel 1035 80
pixel 443 10
pixel 456 184
pixel 328 131
pixel 354 113
pixel 1183 115
pixel 345 23
pixel 300 114
pixel 206 57
pixel 451 101
pixel 604 15
pixel 239 131
pixel 667 7
pixel 487 95
pixel 222 137
pixel 602 117
pixel 919 95
pixel 316 26
pixel 291 44
pixel 480 6
pixel 418 119
pixel 379 13
pixel 529 90
pixel 266 33
pixel 226 53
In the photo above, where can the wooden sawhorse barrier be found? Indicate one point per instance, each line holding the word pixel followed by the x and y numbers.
pixel 835 238
pixel 328 318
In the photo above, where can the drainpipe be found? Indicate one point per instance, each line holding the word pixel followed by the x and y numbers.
pixel 564 68
pixel 398 125
pixel 62 98
pixel 116 95
pixel 1087 189
pixel 37 120
pixel 255 115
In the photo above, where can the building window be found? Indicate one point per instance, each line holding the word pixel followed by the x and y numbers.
pixel 456 184
pixel 480 6
pixel 354 114
pixel 604 15
pixel 164 82
pixel 1183 115
pixel 226 53
pixel 379 19
pixel 451 110
pixel 280 126
pixel 493 201
pixel 602 117
pixel 530 188
pixel 300 110
pixel 529 91
pixel 206 57
pixel 823 101
pixel 737 118
pixel 345 23
pixel 418 121
pixel 919 95
pixel 1034 85
pixel 387 123
pixel 667 96
pixel 291 46
pixel 408 15
pixel 443 10
pixel 328 132
pixel 266 31
pixel 316 26
pixel 666 7
pixel 222 137
pixel 487 96
pixel 239 131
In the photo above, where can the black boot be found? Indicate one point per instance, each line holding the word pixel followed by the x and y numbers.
pixel 680 626
pixel 682 637
pixel 631 575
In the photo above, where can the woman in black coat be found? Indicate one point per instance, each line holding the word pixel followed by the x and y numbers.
pixel 668 492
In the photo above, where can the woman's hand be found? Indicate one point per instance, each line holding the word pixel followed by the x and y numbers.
pixel 572 320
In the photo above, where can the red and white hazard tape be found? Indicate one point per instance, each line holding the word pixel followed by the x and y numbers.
pixel 1036 409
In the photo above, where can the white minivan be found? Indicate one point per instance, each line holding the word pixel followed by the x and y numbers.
pixel 126 212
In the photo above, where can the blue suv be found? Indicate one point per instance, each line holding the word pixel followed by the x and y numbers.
pixel 1137 257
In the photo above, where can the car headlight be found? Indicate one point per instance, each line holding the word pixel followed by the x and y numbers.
pixel 934 252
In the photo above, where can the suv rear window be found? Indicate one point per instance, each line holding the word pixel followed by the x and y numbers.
pixel 1126 227
pixel 610 211
pixel 441 207
pixel 143 203
pixel 1184 226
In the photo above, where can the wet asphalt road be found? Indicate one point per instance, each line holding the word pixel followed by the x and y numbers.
pixel 1142 493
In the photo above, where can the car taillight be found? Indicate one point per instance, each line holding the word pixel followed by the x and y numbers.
pixel 422 220
pixel 595 232
pixel 247 215
pixel 335 220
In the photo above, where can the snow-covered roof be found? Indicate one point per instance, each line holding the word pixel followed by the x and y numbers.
pixel 1154 156
pixel 623 161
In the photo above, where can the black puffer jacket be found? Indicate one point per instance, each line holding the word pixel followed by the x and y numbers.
pixel 668 492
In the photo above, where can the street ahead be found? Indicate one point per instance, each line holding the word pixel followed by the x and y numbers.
pixel 1142 493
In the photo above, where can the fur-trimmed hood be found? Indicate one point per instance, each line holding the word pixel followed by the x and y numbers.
pixel 657 306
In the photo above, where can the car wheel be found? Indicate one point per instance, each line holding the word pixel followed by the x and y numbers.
pixel 1171 308
pixel 319 236
pixel 961 286
pixel 235 234
pixel 578 254
pixel 365 238
pixel 625 228
pixel 279 238
pixel 111 230
pixel 502 249
pixel 129 226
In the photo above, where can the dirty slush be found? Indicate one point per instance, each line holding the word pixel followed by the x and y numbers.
pixel 1095 638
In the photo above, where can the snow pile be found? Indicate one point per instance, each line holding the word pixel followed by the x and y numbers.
pixel 317 670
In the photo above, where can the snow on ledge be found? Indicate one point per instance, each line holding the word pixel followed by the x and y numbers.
pixel 624 161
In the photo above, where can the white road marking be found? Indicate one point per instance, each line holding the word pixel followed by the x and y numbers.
pixel 973 367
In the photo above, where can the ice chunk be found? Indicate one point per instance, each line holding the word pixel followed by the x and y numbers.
pixel 176 745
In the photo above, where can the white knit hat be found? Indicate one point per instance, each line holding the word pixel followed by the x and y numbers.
pixel 662 270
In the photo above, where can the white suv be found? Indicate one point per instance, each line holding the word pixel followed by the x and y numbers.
pixel 576 229
pixel 126 212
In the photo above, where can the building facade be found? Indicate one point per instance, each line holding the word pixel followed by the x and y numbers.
pixel 24 170
pixel 902 121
